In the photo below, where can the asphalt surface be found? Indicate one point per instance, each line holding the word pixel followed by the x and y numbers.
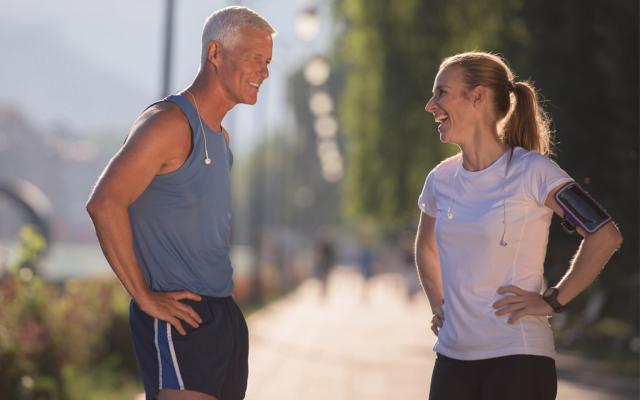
pixel 370 341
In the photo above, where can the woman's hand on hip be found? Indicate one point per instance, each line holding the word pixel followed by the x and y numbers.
pixel 438 318
pixel 520 303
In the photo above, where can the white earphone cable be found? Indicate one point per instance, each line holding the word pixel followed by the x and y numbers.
pixel 207 160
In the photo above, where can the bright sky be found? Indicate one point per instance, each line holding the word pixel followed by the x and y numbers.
pixel 93 65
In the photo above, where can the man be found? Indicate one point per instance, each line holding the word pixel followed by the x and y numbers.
pixel 162 211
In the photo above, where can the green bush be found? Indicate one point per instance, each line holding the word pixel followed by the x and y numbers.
pixel 64 341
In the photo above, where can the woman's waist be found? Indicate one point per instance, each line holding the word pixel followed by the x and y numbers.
pixel 471 331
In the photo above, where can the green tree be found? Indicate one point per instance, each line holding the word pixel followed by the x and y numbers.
pixel 582 55
pixel 584 58
pixel 391 50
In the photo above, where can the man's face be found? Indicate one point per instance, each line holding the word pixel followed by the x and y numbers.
pixel 246 65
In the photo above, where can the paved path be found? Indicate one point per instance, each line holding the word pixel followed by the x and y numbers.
pixel 368 342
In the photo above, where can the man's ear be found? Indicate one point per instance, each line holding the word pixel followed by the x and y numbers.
pixel 215 53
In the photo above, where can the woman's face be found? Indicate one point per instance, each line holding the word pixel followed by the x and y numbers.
pixel 451 105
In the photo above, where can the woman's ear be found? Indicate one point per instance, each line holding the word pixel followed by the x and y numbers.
pixel 478 95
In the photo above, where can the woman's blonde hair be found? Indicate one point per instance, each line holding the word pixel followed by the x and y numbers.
pixel 528 125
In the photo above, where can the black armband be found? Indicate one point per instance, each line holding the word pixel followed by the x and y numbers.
pixel 580 209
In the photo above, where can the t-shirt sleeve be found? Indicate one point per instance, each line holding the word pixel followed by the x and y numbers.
pixel 543 176
pixel 427 199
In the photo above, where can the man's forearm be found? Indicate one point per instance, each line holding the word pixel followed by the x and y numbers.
pixel 113 229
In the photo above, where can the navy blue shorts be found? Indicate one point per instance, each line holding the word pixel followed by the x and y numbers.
pixel 211 359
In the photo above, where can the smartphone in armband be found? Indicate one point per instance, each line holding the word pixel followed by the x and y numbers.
pixel 580 209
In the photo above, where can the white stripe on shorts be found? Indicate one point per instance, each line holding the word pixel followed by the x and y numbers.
pixel 173 357
pixel 155 338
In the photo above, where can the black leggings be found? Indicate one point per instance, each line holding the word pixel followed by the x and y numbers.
pixel 517 377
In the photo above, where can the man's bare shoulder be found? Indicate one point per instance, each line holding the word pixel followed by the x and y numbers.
pixel 160 137
pixel 162 121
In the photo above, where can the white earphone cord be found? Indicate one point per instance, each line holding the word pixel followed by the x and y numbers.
pixel 451 215
pixel 503 241
pixel 207 160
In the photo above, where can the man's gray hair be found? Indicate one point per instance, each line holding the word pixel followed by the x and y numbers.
pixel 223 25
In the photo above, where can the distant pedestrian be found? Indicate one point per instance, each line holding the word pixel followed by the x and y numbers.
pixel 325 261
pixel 483 235
pixel 162 213
pixel 366 262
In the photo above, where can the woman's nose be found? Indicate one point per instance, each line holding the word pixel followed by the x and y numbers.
pixel 430 106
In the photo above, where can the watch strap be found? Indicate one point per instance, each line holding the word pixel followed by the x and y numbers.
pixel 551 297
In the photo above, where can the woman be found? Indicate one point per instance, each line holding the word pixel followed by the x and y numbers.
pixel 483 233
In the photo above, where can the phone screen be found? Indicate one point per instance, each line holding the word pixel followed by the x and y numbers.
pixel 583 207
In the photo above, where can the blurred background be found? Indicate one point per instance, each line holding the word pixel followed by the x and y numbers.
pixel 329 163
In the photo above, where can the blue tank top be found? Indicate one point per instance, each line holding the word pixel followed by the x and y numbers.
pixel 181 223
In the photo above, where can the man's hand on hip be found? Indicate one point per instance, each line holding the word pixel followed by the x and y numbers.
pixel 167 307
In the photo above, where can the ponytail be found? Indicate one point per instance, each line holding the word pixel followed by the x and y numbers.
pixel 528 126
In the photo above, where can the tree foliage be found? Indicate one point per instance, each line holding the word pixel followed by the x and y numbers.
pixel 582 56
pixel 392 50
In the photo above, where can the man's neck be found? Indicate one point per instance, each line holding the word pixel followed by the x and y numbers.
pixel 211 100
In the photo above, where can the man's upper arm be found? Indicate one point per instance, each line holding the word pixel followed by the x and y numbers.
pixel 157 137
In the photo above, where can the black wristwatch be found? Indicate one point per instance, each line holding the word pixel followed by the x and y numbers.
pixel 551 297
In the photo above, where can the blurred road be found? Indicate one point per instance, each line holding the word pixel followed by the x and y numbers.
pixel 370 342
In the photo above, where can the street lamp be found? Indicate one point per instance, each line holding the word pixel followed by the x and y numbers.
pixel 316 71
pixel 307 24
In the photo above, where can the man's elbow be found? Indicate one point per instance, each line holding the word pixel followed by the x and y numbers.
pixel 93 206
pixel 98 205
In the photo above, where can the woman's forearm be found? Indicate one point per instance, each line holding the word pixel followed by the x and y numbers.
pixel 593 254
pixel 428 261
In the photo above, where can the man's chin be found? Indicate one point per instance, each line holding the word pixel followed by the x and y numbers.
pixel 250 100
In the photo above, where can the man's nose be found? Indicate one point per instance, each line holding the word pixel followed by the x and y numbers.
pixel 264 72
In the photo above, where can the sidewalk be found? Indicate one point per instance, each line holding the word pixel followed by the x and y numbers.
pixel 367 343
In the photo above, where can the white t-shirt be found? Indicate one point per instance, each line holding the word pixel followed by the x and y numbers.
pixel 470 208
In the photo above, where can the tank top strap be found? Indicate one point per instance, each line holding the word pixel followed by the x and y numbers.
pixel 192 116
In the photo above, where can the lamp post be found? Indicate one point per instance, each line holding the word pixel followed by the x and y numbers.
pixel 168 47
pixel 316 73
